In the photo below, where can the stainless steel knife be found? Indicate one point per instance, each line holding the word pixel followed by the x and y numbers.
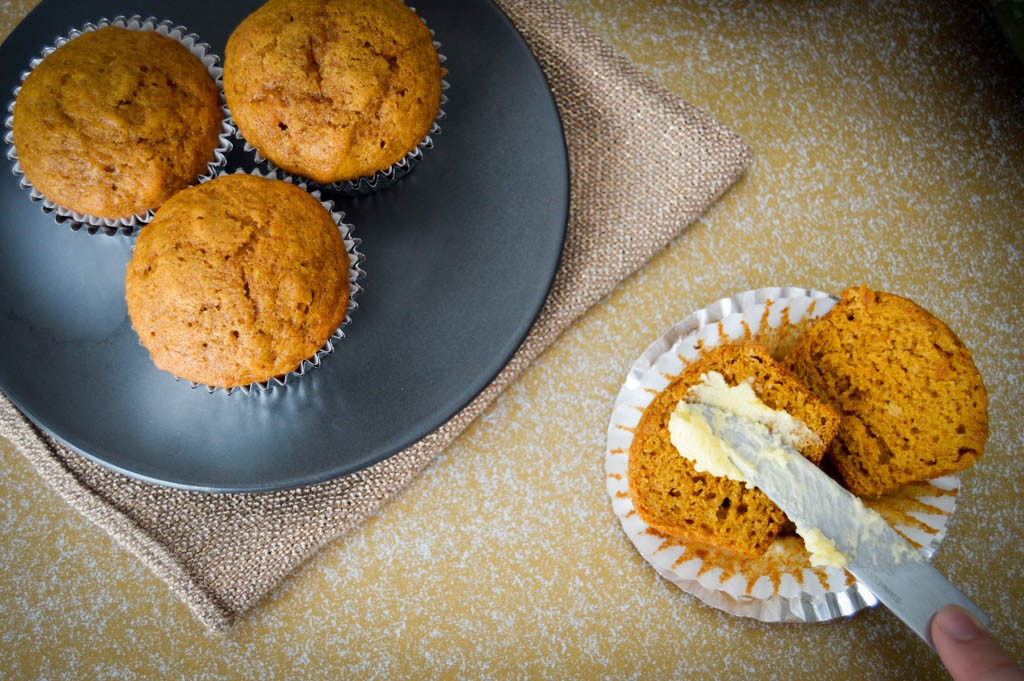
pixel 876 554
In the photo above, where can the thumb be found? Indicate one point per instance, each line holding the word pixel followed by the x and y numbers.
pixel 968 651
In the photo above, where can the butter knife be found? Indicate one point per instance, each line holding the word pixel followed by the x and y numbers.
pixel 895 572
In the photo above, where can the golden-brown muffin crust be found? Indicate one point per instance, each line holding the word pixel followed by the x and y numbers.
pixel 237 280
pixel 333 90
pixel 115 121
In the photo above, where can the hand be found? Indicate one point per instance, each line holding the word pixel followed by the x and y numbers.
pixel 968 651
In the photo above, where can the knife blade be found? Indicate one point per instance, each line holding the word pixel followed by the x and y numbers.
pixel 895 572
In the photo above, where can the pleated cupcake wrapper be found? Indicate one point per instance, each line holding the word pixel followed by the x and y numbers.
pixel 381 179
pixel 781 586
pixel 355 274
pixel 129 225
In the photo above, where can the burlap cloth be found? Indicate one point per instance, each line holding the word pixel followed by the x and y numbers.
pixel 643 163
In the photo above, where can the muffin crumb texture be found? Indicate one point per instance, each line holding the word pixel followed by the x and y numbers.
pixel 673 498
pixel 333 90
pixel 912 401
pixel 237 280
pixel 116 121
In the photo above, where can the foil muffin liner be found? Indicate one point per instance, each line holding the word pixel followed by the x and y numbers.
pixel 355 274
pixel 127 225
pixel 380 179
pixel 780 586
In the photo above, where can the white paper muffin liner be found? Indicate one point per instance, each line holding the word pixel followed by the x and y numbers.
pixel 781 586
pixel 127 225
pixel 380 179
pixel 355 274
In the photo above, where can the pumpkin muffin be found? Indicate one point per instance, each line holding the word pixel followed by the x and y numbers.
pixel 115 121
pixel 676 499
pixel 336 90
pixel 237 280
pixel 912 401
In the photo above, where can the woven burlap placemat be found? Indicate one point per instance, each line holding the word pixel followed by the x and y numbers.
pixel 644 164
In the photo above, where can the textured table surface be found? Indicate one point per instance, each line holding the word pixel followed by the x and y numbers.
pixel 889 150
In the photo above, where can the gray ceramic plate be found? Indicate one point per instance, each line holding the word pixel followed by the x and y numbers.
pixel 459 259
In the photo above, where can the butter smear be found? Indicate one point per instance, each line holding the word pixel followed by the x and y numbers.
pixel 694 438
pixel 823 551
pixel 689 432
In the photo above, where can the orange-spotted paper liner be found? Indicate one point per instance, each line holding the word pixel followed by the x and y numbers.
pixel 780 586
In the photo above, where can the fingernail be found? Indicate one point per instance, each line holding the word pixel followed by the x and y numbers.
pixel 957 623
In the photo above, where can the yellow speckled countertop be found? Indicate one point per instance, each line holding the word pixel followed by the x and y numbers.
pixel 888 143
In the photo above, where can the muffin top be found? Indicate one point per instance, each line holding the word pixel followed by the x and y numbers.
pixel 333 90
pixel 237 280
pixel 115 121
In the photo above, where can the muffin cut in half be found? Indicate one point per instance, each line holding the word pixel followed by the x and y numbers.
pixel 912 401
pixel 674 498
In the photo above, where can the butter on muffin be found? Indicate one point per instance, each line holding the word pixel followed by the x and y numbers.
pixel 115 121
pixel 335 90
pixel 672 496
pixel 912 401
pixel 238 280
